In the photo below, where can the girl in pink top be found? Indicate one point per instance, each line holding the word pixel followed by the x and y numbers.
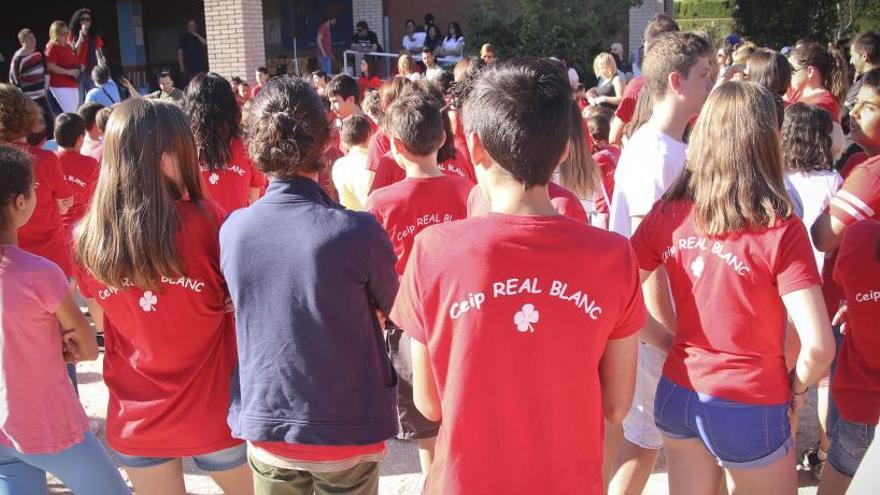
pixel 42 425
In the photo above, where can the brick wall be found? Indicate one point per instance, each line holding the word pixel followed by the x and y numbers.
pixel 370 11
pixel 639 17
pixel 234 29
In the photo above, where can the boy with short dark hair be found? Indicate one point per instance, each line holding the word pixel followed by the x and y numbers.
pixel 89 113
pixel 350 175
pixel 344 95
pixel 80 171
pixel 262 75
pixel 513 335
pixel 426 196
pixel 677 73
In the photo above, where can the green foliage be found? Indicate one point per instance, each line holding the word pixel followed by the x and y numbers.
pixel 578 29
pixel 778 23
pixel 717 29
pixel 704 9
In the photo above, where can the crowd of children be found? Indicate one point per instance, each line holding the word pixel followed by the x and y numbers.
pixel 542 295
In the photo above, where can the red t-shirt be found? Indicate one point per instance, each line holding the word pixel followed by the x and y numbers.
pixel 606 159
pixel 170 353
pixel 565 202
pixel 824 100
pixel 727 292
pixel 859 197
pixel 852 162
pixel 326 41
pixel 64 57
pixel 81 173
pixel 856 384
pixel 44 233
pixel 516 323
pixel 388 172
pixel 377 147
pixel 627 107
pixel 256 90
pixel 405 208
pixel 230 186
pixel 82 54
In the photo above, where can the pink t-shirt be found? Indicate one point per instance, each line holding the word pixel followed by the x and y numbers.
pixel 39 410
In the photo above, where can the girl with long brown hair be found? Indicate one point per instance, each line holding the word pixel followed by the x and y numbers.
pixel 738 261
pixel 579 174
pixel 148 252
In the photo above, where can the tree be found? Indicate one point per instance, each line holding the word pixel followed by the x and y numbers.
pixel 576 29
pixel 782 22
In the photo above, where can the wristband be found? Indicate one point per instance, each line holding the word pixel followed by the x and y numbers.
pixel 802 393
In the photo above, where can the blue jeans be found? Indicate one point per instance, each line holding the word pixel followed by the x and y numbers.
pixel 738 435
pixel 221 460
pixel 85 468
pixel 326 64
pixel 849 442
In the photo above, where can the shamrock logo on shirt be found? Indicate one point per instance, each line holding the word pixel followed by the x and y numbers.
pixel 148 301
pixel 214 178
pixel 524 318
pixel 697 266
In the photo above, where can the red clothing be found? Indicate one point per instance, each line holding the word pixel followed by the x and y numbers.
pixel 606 159
pixel 856 384
pixel 377 147
pixel 824 100
pixel 851 162
pixel 170 352
pixel 81 173
pixel 313 453
pixel 230 186
pixel 388 172
pixel 43 235
pixel 325 37
pixel 82 53
pixel 407 207
pixel 727 292
pixel 859 197
pixel 372 83
pixel 627 107
pixel 516 323
pixel 565 202
pixel 64 57
pixel 256 90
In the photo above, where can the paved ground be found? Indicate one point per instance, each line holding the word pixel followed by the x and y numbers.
pixel 399 471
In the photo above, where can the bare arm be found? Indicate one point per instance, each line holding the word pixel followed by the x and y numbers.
pixel 425 394
pixel 80 343
pixel 838 141
pixel 97 314
pixel 54 68
pixel 618 92
pixel 253 195
pixel 99 55
pixel 806 309
pixel 827 232
pixel 616 133
pixel 617 375
pixel 180 60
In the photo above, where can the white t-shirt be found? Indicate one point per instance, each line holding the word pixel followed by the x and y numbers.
pixel 649 164
pixel 352 179
pixel 413 44
pixel 433 73
pixel 815 190
pixel 453 48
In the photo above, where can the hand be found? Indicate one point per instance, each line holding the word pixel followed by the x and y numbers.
pixel 840 318
pixel 69 347
pixel 380 315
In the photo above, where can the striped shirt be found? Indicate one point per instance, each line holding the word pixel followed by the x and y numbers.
pixel 859 198
pixel 29 73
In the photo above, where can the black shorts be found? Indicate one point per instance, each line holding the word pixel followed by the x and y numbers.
pixel 413 426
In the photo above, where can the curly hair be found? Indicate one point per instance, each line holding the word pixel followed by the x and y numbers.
pixel 18 114
pixel 287 129
pixel 75 21
pixel 806 139
pixel 16 178
pixel 214 118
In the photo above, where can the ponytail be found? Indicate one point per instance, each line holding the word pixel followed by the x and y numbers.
pixel 836 79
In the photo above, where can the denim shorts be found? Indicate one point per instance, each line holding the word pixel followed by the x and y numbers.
pixel 738 435
pixel 220 460
pixel 849 442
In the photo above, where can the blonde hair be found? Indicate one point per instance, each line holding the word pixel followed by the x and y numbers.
pixel 487 48
pixel 743 52
pixel 733 173
pixel 128 235
pixel 405 65
pixel 55 31
pixel 602 61
pixel 578 172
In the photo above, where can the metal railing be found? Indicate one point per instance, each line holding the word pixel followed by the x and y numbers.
pixel 356 54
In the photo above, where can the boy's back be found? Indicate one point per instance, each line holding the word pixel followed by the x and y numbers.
pixel 407 207
pixel 515 340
